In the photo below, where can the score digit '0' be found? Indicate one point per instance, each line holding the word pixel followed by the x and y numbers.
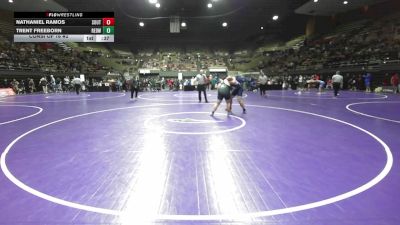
pixel 108 21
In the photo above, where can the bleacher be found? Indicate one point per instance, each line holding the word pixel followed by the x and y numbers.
pixel 6 28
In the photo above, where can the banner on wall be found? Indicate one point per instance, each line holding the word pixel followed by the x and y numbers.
pixel 6 92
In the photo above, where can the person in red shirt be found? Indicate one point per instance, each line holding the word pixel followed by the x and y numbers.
pixel 394 81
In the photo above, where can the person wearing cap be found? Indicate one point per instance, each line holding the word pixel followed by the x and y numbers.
pixel 337 82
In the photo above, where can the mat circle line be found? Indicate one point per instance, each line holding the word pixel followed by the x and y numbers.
pixel 324 97
pixel 243 123
pixel 192 95
pixel 223 217
pixel 348 107
pixel 58 95
pixel 22 118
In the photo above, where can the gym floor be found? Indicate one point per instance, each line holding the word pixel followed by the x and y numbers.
pixel 293 159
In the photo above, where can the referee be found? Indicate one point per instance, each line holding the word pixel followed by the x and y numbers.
pixel 262 80
pixel 337 81
pixel 77 84
pixel 135 84
pixel 201 85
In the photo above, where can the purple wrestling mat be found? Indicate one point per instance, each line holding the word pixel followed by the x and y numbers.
pixel 293 159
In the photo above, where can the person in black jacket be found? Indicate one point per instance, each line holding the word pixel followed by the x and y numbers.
pixel 135 84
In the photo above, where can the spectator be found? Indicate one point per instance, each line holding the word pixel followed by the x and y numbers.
pixel 52 83
pixel 43 83
pixel 66 83
pixel 31 86
pixel 14 86
pixel 367 81
pixel 394 81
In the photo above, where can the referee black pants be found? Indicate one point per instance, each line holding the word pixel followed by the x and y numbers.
pixel 136 90
pixel 202 88
pixel 336 87
pixel 77 88
pixel 263 87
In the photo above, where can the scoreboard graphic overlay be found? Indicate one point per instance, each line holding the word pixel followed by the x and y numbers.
pixel 64 26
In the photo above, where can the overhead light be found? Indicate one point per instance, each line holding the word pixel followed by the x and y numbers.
pixel 262 28
pixel 158 5
pixel 11 1
pixel 315 0
pixel 153 1
pixel 276 17
pixel 209 5
pixel 345 2
pixel 141 24
pixel 183 24
pixel 224 24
